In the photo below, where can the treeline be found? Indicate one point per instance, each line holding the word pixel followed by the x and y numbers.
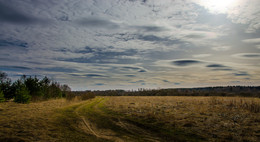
pixel 245 91
pixel 29 88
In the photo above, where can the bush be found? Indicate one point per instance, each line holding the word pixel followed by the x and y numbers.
pixel 22 95
pixel 70 96
pixel 87 95
pixel 2 98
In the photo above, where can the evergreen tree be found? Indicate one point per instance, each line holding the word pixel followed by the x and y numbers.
pixel 22 95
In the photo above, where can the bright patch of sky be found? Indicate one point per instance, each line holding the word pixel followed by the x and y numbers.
pixel 130 44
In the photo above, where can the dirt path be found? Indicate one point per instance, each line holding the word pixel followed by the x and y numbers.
pixel 90 128
pixel 116 130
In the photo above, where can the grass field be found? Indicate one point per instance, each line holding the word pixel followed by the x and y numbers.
pixel 133 119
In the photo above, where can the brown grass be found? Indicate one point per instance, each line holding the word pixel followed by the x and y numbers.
pixel 29 122
pixel 214 118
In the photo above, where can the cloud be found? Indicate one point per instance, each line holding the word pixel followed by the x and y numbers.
pixel 253 40
pixel 90 75
pixel 219 67
pixel 100 84
pixel 142 71
pixel 221 48
pixel 149 28
pixel 159 40
pixel 93 22
pixel 166 81
pixel 14 68
pixel 12 43
pixel 11 15
pixel 103 55
pixel 215 66
pixel 241 74
pixel 201 55
pixel 247 55
pixel 222 69
pixel 195 36
pixel 132 68
pixel 185 62
pixel 130 75
pixel 139 81
pixel 59 69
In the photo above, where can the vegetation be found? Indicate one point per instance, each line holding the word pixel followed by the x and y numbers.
pixel 140 118
pixel 243 91
pixel 28 89
pixel 143 115
pixel 22 95
pixel 2 97
pixel 203 118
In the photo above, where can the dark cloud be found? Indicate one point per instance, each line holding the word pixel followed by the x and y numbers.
pixel 241 74
pixel 14 68
pixel 139 81
pixel 12 43
pixel 94 75
pixel 130 75
pixel 142 71
pixel 215 66
pixel 219 67
pixel 224 69
pixel 248 55
pixel 152 38
pixel 185 62
pixel 195 36
pixel 11 15
pixel 166 81
pixel 97 23
pixel 59 69
pixel 104 55
pixel 127 68
pixel 251 55
pixel 100 84
pixel 89 75
pixel 158 40
pixel 132 68
pixel 150 28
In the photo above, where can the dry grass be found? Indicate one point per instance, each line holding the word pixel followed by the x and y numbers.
pixel 214 118
pixel 29 122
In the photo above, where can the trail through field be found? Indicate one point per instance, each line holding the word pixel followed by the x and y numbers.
pixel 101 124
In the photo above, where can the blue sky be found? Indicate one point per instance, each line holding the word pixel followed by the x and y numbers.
pixel 130 44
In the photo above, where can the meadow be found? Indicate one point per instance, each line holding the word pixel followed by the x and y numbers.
pixel 133 118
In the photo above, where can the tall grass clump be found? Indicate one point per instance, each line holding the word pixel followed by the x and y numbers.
pixel 252 105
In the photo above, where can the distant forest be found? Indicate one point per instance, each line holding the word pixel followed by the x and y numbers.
pixel 29 88
pixel 244 91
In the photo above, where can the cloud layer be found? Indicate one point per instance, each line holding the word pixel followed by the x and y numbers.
pixel 129 44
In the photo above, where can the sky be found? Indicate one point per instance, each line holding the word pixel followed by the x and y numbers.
pixel 130 44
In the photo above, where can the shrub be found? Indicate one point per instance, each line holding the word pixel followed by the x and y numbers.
pixel 2 98
pixel 87 95
pixel 70 96
pixel 22 95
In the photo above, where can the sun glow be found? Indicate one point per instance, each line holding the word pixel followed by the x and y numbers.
pixel 218 6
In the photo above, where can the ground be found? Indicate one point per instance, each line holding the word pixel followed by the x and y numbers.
pixel 133 119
